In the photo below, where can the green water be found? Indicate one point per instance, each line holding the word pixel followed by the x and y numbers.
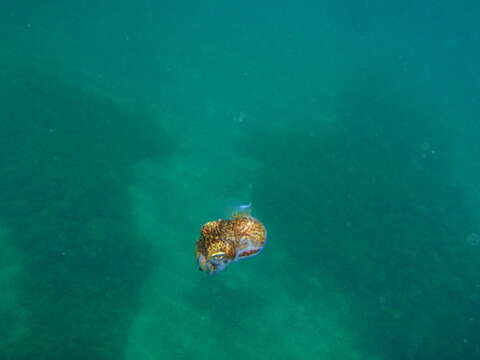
pixel 352 127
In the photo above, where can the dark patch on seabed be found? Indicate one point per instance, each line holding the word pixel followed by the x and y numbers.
pixel 380 213
pixel 65 170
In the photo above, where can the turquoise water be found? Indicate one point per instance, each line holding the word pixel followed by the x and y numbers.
pixel 352 127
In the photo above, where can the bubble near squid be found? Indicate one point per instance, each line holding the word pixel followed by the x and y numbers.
pixel 224 241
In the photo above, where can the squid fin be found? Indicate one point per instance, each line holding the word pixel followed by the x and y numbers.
pixel 242 210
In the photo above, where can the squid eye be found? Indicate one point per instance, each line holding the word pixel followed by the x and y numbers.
pixel 218 256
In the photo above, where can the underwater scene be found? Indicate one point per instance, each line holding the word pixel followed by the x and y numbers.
pixel 240 180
